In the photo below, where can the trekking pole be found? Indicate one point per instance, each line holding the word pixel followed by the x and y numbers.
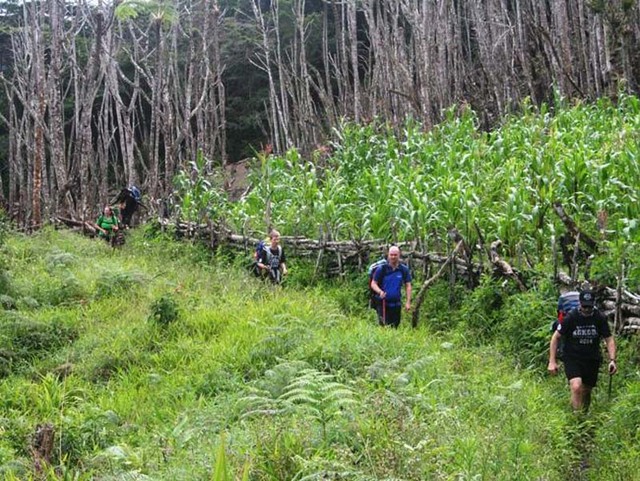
pixel 384 312
pixel 610 383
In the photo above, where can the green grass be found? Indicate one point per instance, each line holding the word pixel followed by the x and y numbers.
pixel 277 383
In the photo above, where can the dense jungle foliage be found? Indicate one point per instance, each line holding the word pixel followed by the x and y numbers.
pixel 164 360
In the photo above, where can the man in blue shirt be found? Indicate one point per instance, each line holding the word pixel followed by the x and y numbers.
pixel 387 284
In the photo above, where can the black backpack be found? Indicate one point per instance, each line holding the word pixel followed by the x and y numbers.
pixel 273 260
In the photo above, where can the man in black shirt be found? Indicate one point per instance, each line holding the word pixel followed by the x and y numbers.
pixel 581 331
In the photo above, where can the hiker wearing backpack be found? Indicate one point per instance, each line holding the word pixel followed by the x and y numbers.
pixel 387 284
pixel 272 260
pixel 128 201
pixel 581 330
pixel 567 302
pixel 107 224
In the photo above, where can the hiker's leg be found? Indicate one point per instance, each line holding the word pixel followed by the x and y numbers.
pixel 380 313
pixel 576 386
pixel 589 380
pixel 393 316
pixel 586 397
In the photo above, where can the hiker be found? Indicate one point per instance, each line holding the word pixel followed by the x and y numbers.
pixel 387 284
pixel 107 224
pixel 272 260
pixel 581 331
pixel 128 201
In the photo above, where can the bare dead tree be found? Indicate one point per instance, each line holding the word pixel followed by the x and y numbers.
pixel 98 96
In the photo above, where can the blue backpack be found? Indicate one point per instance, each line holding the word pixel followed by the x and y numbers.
pixel 135 193
pixel 567 302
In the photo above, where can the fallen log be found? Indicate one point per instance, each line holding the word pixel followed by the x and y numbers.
pixel 626 308
pixel 78 224
pixel 572 227
pixel 503 267
pixel 627 297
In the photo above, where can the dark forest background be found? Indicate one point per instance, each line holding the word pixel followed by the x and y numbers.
pixel 100 95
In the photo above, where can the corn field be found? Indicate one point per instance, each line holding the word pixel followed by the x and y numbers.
pixel 501 184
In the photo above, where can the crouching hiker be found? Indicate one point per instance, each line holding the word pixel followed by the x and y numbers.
pixel 581 330
pixel 387 284
pixel 107 224
pixel 272 260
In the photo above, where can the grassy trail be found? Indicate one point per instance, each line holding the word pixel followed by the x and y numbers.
pixel 158 352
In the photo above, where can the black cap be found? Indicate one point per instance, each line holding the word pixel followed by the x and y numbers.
pixel 587 299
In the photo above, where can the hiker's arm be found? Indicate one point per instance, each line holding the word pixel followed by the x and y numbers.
pixel 98 226
pixel 284 268
pixel 553 347
pixel 262 261
pixel 377 289
pixel 611 350
pixel 408 289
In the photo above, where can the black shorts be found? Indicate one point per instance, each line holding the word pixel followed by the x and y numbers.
pixel 587 369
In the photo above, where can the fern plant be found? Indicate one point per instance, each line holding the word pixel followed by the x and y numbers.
pixel 310 392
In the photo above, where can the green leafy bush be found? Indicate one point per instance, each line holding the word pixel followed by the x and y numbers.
pixel 22 339
pixel 58 259
pixel 481 309
pixel 164 311
pixel 5 283
pixel 526 328
pixel 28 302
pixel 115 282
pixel 7 302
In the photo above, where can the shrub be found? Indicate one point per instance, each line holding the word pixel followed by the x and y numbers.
pixel 481 309
pixel 22 339
pixel 437 310
pixel 112 283
pixel 68 290
pixel 7 302
pixel 92 431
pixel 164 311
pixel 5 283
pixel 525 332
pixel 28 302
pixel 111 364
pixel 58 259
